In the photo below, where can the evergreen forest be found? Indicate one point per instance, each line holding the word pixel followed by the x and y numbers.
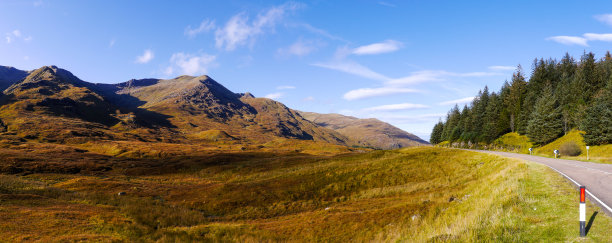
pixel 558 97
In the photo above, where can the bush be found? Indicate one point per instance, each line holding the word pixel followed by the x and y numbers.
pixel 570 149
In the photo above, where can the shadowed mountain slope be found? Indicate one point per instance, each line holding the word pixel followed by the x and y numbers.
pixel 366 132
pixel 9 76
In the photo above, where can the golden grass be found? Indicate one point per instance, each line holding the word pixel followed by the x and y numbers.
pixel 416 195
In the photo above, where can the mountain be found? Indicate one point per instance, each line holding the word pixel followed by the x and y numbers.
pixel 51 104
pixel 366 132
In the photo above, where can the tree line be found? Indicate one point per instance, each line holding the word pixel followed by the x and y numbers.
pixel 558 97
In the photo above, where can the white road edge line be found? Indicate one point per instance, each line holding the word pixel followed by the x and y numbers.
pixel 587 191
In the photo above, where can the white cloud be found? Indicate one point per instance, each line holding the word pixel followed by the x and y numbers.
pixel 309 98
pixel 419 77
pixel 205 26
pixel 569 40
pixel 299 48
pixel 605 18
pixel 38 3
pixel 435 75
pixel 239 31
pixel 285 87
pixel 111 43
pixel 188 64
pixel 378 48
pixel 16 35
pixel 396 107
pixel 502 68
pixel 391 85
pixel 598 37
pixel 458 101
pixel 275 96
pixel 146 57
pixel 353 68
pixel 374 92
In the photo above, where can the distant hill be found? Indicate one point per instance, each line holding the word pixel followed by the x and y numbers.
pixel 366 132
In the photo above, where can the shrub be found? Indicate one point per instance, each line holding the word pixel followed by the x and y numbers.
pixel 570 149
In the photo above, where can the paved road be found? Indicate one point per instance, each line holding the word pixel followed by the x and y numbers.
pixel 596 177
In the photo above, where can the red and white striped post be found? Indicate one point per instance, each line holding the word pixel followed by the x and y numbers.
pixel 582 211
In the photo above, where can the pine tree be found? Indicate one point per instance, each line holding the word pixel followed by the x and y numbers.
pixel 545 123
pixel 597 123
pixel 516 98
pixel 436 133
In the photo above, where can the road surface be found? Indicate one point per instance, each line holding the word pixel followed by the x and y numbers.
pixel 596 177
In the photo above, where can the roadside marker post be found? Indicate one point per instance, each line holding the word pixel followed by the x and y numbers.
pixel 531 149
pixel 587 152
pixel 556 153
pixel 582 211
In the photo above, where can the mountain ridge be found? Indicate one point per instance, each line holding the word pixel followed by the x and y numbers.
pixel 149 109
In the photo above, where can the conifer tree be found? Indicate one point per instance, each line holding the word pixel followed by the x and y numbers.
pixel 597 123
pixel 436 133
pixel 516 98
pixel 545 123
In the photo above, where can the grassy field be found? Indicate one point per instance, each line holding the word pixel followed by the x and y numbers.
pixel 422 194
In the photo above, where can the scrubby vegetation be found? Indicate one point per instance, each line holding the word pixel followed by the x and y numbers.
pixel 570 149
pixel 420 194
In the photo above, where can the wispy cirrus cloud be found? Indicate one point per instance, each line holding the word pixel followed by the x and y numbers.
pixel 391 86
pixel 283 87
pixel 598 37
pixel 396 107
pixel 357 94
pixel 205 26
pixel 458 101
pixel 502 68
pixel 239 31
pixel 378 48
pixel 352 68
pixel 146 57
pixel 569 40
pixel 190 64
pixel 275 96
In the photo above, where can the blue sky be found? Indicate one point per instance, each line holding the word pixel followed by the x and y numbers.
pixel 404 62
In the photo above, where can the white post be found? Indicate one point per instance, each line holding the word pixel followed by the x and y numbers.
pixel 556 152
pixel 530 149
pixel 582 211
pixel 587 152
